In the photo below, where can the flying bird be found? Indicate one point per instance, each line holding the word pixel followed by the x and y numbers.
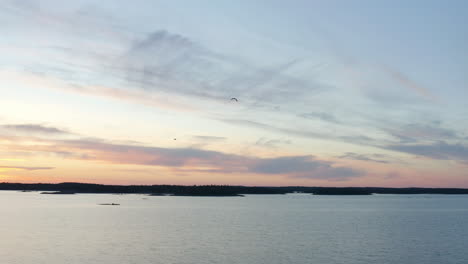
pixel 234 99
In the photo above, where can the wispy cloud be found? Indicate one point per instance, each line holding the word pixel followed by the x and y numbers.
pixel 171 62
pixel 290 166
pixel 364 157
pixel 321 116
pixel 34 128
pixel 405 81
pixel 209 138
pixel 25 168
pixel 363 75
pixel 272 143
pixel 305 167
pixel 264 126
pixel 165 69
pixel 79 20
pixel 416 132
pixel 187 159
pixel 439 150
pixel 413 133
pixel 199 141
pixel 47 81
pixel 355 139
pixel 136 96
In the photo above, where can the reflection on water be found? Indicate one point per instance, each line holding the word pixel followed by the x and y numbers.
pixel 69 229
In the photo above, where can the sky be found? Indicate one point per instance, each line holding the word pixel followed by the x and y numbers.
pixel 329 93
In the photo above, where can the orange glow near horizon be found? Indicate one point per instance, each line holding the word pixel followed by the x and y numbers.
pixel 109 164
pixel 126 174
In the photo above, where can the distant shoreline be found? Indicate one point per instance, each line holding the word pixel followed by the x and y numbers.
pixel 215 190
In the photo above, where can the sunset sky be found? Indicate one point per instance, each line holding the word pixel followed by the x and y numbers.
pixel 330 93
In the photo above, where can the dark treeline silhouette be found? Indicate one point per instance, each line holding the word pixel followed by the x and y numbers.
pixel 216 190
pixel 342 191
pixel 180 190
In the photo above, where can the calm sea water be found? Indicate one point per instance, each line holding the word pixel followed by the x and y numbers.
pixel 68 229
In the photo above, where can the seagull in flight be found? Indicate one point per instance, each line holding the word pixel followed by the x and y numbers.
pixel 234 99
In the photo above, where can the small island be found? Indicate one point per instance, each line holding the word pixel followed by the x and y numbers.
pixel 58 192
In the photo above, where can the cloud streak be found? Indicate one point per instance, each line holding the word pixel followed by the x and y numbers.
pixel 439 150
pixel 188 159
pixel 407 82
pixel 26 168
pixel 372 157
pixel 305 167
pixel 290 166
pixel 209 138
pixel 321 116
pixel 34 129
pixel 272 143
pixel 414 132
pixel 171 62
pixel 355 139
pixel 47 81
